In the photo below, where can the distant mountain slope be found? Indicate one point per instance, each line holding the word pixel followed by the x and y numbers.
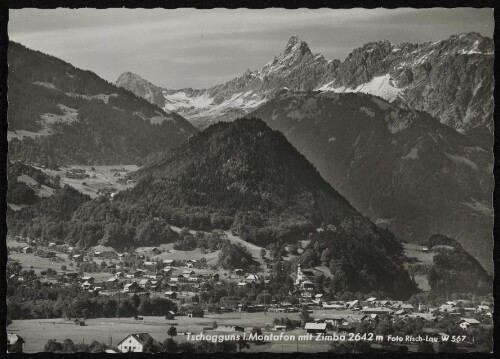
pixel 240 175
pixel 451 79
pixel 60 114
pixel 400 167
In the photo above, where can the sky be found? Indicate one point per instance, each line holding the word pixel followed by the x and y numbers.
pixel 180 48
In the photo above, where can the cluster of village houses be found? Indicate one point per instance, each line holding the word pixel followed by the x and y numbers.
pixel 345 315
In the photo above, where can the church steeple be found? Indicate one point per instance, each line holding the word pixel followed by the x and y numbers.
pixel 299 274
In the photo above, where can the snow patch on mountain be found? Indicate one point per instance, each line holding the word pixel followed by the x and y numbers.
pixel 412 155
pixel 462 160
pixel 181 100
pixel 381 86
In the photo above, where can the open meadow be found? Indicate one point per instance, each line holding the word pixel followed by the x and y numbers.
pixel 418 254
pixel 99 177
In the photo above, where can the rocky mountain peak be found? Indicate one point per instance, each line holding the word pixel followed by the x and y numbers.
pixel 141 87
pixel 295 52
pixel 129 76
pixel 296 45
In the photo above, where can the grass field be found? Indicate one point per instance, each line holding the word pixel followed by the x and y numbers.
pixel 28 260
pixel 37 332
pixel 100 177
pixel 415 251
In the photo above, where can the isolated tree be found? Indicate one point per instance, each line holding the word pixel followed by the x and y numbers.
pixel 242 344
pixel 304 316
pixel 262 253
pixel 85 313
pixel 170 345
pixel 52 346
pixel 425 347
pixel 172 331
pixel 447 347
pixel 258 332
pixel 151 346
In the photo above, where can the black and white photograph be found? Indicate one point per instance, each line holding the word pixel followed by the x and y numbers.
pixel 250 180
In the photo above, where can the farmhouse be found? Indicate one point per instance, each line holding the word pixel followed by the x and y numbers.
pixel 89 279
pixel 170 315
pixel 278 328
pixel 315 328
pixel 171 294
pixel 252 278
pixel 196 313
pixel 307 285
pixel 306 294
pixel 77 258
pixel 239 271
pixel 135 343
pixel 14 343
pixel 87 286
pixel 352 304
pixel 333 305
pixel 27 249
pixel 376 310
pixel 466 323
pixel 173 286
pixel 113 282
pixel 79 322
pixel 256 308
pixel 145 283
pixel 424 316
pixel 138 273
pixel 131 288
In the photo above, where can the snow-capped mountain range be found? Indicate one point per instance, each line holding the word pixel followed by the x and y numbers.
pixel 451 79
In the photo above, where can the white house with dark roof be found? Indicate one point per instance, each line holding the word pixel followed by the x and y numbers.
pixel 14 343
pixel 252 278
pixel 315 327
pixel 135 343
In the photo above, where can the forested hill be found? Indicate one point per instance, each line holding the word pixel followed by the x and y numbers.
pixel 61 114
pixel 245 176
pixel 454 270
